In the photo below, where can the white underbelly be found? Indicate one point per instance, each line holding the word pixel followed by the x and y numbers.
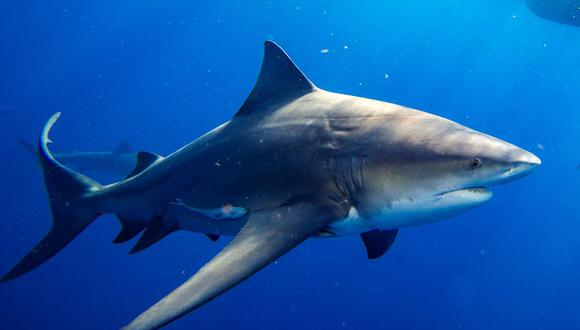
pixel 398 215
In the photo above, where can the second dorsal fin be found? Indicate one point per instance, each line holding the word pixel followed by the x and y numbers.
pixel 144 160
pixel 123 148
pixel 279 79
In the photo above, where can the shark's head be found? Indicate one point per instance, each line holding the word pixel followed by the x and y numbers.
pixel 424 168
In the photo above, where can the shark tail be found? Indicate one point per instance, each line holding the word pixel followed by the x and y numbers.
pixel 70 205
pixel 30 147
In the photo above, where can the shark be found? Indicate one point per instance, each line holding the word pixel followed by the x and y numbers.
pixel 559 11
pixel 295 162
pixel 118 162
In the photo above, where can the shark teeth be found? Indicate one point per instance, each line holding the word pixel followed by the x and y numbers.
pixel 478 190
pixel 475 190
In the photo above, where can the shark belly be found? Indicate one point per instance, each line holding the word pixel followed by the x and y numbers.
pixel 409 212
pixel 355 223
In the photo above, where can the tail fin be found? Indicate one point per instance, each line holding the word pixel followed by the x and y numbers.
pixel 28 146
pixel 71 212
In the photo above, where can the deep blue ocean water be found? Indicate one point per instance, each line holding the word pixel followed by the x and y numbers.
pixel 161 73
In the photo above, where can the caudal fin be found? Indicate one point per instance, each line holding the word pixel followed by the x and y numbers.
pixel 31 148
pixel 71 210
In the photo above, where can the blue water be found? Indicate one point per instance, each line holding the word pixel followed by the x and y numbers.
pixel 161 73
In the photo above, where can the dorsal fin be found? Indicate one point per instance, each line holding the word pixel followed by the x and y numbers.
pixel 123 148
pixel 144 160
pixel 279 79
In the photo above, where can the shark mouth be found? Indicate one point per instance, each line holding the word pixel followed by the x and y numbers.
pixel 478 190
pixel 468 192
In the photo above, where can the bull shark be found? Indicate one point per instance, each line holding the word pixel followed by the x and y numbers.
pixel 118 162
pixel 559 11
pixel 295 162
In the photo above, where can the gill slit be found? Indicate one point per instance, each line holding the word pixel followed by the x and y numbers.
pixel 348 176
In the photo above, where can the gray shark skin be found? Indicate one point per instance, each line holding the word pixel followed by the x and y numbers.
pixel 118 162
pixel 294 162
pixel 559 11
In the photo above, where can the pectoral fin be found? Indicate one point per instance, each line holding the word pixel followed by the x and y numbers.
pixel 267 235
pixel 213 237
pixel 378 242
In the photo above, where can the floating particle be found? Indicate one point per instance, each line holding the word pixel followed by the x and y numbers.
pixel 345 47
pixel 540 146
pixel 386 76
pixel 324 51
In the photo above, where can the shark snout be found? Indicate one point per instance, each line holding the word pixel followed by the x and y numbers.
pixel 527 158
pixel 522 163
pixel 526 161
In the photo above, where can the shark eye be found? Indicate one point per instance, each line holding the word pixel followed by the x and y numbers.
pixel 475 163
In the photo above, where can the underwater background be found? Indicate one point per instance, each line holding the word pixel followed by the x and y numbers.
pixel 161 73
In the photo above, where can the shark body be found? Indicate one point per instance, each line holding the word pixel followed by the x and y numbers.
pixel 118 162
pixel 559 11
pixel 295 162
